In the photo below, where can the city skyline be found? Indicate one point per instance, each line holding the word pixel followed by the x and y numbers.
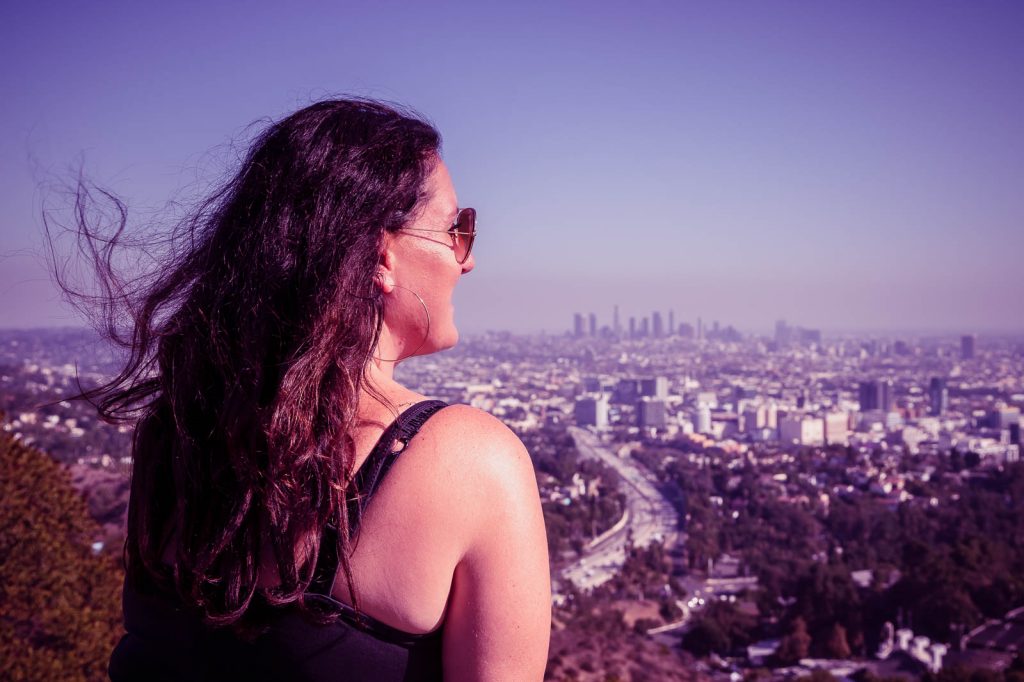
pixel 617 319
pixel 681 478
pixel 850 167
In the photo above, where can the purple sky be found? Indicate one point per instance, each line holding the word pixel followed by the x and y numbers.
pixel 841 165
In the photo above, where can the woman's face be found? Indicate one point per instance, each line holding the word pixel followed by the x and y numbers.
pixel 423 261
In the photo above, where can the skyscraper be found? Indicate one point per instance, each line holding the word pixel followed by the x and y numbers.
pixel 632 327
pixel 754 417
pixel 868 395
pixel 577 325
pixel 650 413
pixel 592 410
pixel 616 327
pixel 967 346
pixel 938 397
pixel 809 336
pixel 593 324
pixel 837 428
pixel 671 323
pixel 782 333
pixel 654 387
pixel 658 330
pixel 703 419
pixel 877 395
pixel 887 395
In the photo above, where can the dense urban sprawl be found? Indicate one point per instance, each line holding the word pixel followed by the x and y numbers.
pixel 717 503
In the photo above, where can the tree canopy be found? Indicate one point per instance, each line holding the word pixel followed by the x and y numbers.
pixel 59 601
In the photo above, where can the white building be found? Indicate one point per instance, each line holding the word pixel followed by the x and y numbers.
pixel 704 419
pixel 837 428
pixel 801 429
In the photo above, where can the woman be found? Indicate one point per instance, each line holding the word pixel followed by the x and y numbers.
pixel 295 512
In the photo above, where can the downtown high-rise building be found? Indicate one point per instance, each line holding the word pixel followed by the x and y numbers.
pixel 658 329
pixel 650 413
pixel 703 418
pixel 887 397
pixel 592 410
pixel 654 387
pixel 837 428
pixel 577 325
pixel 753 418
pixel 802 429
pixel 967 346
pixel 867 396
pixel 938 397
pixel 876 395
pixel 781 332
pixel 593 324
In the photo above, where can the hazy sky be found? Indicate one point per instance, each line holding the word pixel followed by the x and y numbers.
pixel 841 165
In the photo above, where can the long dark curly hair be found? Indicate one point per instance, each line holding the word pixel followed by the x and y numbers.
pixel 246 351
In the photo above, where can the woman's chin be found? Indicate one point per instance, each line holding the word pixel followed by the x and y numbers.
pixel 438 343
pixel 450 339
pixel 446 340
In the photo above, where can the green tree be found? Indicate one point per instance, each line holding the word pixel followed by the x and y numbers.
pixel 706 637
pixel 796 644
pixel 720 628
pixel 826 596
pixel 60 603
pixel 836 646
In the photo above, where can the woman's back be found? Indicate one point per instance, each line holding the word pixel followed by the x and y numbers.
pixel 166 641
pixel 416 560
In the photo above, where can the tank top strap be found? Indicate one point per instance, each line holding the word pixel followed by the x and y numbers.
pixel 392 442
pixel 369 477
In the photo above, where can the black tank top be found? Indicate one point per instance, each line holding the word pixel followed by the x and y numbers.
pixel 165 641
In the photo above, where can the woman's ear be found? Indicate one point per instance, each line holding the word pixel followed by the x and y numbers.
pixel 385 276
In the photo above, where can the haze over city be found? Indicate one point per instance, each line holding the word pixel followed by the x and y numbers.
pixel 845 167
pixel 774 252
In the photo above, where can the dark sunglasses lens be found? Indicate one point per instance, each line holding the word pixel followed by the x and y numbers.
pixel 465 224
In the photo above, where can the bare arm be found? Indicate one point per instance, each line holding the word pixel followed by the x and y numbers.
pixel 499 618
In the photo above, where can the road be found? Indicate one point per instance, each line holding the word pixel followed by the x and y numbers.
pixel 649 516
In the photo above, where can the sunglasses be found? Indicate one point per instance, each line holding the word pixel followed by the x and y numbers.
pixel 462 231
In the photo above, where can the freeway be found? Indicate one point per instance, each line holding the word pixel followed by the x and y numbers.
pixel 648 516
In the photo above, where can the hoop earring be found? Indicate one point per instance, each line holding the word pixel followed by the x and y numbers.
pixel 425 335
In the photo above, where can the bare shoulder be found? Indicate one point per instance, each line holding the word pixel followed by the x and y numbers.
pixel 476 426
pixel 477 442
pixel 483 468
pixel 499 608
